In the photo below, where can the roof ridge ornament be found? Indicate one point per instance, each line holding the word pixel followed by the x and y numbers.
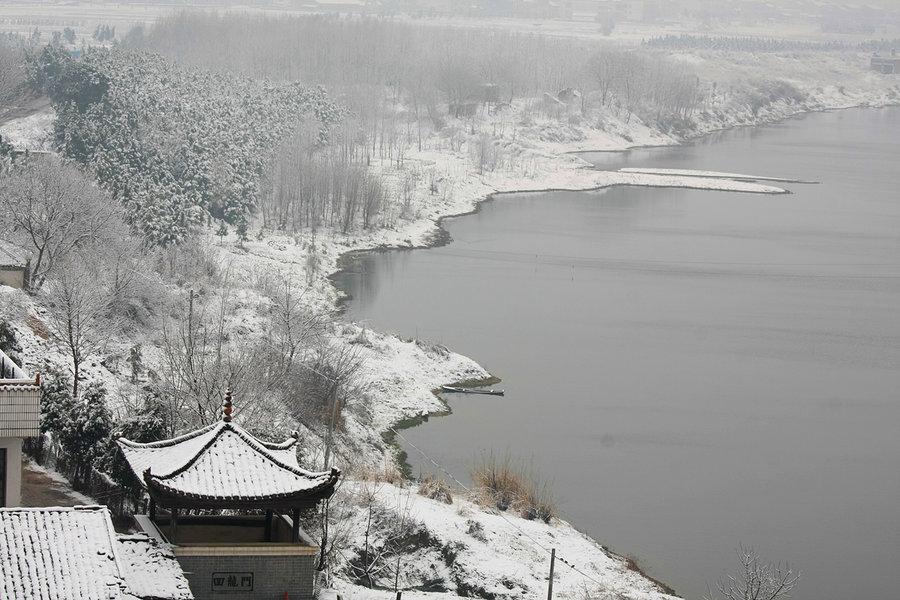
pixel 226 406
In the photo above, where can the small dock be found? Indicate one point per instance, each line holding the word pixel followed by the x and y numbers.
pixel 461 390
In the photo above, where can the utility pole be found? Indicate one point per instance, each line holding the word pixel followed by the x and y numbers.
pixel 552 565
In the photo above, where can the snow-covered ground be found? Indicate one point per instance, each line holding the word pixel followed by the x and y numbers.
pixel 33 132
pixel 462 549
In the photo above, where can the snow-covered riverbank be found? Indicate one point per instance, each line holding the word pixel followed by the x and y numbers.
pixel 496 555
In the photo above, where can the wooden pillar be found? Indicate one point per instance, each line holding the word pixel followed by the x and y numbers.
pixel 152 510
pixel 173 525
pixel 269 516
pixel 295 528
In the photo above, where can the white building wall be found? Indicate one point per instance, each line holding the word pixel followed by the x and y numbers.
pixel 13 481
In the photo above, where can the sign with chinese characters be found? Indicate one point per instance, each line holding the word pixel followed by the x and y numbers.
pixel 232 582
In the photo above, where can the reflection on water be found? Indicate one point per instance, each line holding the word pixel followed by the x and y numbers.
pixel 692 369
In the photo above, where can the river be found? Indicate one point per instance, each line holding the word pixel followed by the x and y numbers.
pixel 691 369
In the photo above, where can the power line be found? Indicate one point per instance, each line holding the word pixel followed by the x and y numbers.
pixel 500 514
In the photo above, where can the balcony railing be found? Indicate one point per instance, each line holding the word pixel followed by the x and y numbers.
pixel 20 401
pixel 10 372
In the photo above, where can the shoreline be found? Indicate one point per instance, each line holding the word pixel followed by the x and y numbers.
pixel 442 237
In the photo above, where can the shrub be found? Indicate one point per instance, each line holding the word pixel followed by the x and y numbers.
pixel 436 489
pixel 499 480
pixel 538 501
pixel 508 484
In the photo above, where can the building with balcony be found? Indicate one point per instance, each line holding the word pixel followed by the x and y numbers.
pixel 20 418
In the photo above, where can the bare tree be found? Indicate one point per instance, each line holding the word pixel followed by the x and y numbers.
pixel 386 537
pixel 201 360
pixel 50 209
pixel 12 72
pixel 78 314
pixel 756 579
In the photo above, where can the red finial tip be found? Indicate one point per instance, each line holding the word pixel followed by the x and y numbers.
pixel 226 406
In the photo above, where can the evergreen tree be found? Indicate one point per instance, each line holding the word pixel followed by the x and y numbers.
pixel 56 402
pixel 86 435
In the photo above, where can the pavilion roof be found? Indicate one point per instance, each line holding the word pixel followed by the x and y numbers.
pixel 224 466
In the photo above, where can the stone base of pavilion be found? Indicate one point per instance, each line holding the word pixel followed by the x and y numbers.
pixel 230 557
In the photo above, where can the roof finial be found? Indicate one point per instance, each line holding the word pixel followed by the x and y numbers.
pixel 226 406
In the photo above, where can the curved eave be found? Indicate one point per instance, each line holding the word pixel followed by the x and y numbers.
pixel 122 441
pixel 264 448
pixel 168 496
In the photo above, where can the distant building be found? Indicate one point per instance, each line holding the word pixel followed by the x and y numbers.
pixel 74 553
pixel 887 65
pixel 20 417
pixel 247 556
pixel 13 266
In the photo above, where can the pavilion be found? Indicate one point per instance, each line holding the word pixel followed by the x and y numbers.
pixel 230 505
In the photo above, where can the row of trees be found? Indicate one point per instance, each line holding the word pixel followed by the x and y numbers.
pixel 761 44
pixel 387 70
pixel 314 187
pixel 175 146
pixel 13 75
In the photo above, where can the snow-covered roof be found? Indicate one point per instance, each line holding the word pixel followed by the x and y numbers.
pixel 62 553
pixel 11 256
pixel 221 466
pixel 151 569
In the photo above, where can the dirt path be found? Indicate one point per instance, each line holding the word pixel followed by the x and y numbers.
pixel 25 107
pixel 40 488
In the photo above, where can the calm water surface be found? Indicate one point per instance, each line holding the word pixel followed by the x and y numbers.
pixel 692 369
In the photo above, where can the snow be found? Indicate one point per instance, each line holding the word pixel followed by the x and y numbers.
pixel 150 569
pixel 222 461
pixel 708 174
pixel 34 132
pixel 494 554
pixel 61 553
pixel 65 483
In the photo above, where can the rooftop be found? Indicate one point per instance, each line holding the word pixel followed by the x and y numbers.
pixel 61 553
pixel 224 466
pixel 12 256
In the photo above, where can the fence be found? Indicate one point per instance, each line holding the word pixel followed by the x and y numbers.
pixel 121 501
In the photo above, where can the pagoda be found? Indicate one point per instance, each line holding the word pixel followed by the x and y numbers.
pixel 230 506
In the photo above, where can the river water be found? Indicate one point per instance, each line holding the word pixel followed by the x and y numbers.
pixel 692 369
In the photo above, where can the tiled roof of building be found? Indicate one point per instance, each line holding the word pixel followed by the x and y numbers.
pixel 11 256
pixel 151 570
pixel 223 465
pixel 67 553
